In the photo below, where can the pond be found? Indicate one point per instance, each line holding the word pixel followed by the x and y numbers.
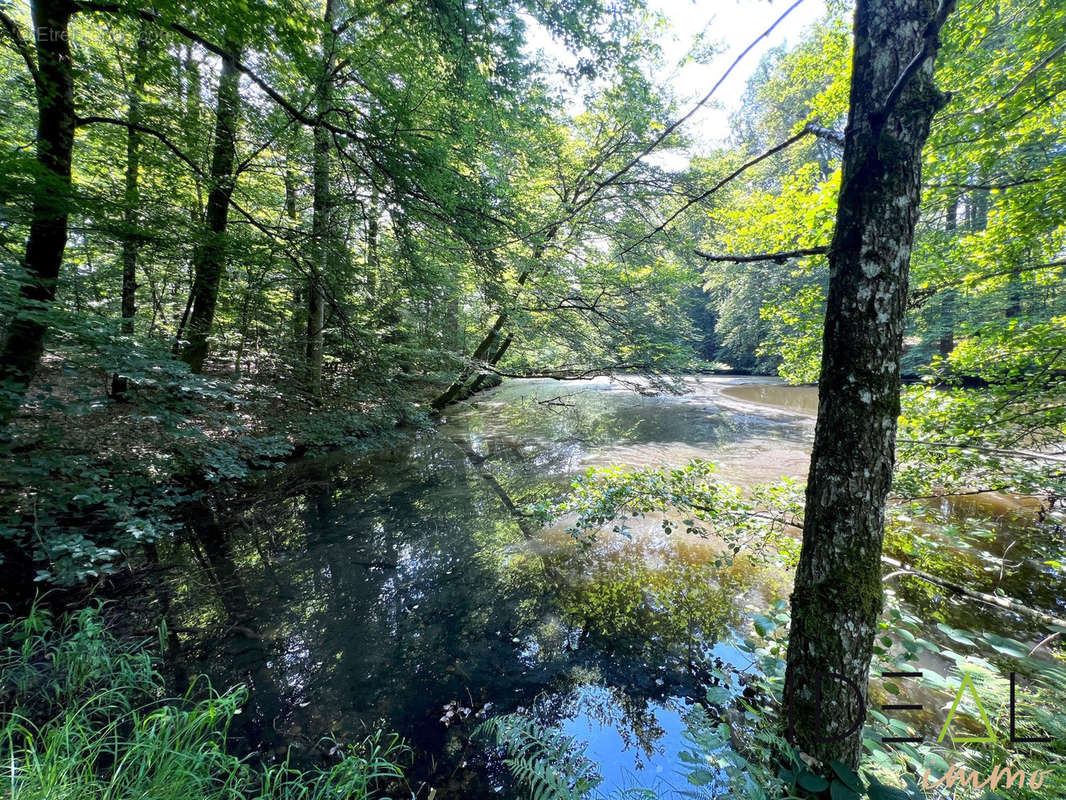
pixel 401 591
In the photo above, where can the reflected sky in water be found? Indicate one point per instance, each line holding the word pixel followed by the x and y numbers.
pixel 397 590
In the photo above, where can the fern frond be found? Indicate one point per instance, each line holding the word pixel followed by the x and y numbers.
pixel 549 764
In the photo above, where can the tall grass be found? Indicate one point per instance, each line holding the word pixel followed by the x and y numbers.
pixel 84 717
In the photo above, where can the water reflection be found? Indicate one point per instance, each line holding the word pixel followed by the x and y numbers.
pixel 401 590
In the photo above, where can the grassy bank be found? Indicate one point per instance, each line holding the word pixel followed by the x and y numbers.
pixel 84 715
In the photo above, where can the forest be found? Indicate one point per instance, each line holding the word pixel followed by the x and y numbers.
pixel 520 399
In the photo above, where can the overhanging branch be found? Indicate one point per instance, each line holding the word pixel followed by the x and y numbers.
pixel 779 258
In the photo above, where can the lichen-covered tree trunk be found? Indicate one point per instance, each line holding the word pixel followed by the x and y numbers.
pixel 838 593
pixel 24 342
pixel 320 214
pixel 209 259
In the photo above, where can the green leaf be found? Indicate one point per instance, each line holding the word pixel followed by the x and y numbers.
pixel 838 791
pixel 847 775
pixel 878 791
pixel 763 625
pixel 812 782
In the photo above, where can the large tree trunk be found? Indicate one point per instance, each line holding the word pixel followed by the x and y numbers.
pixel 24 342
pixel 838 591
pixel 320 214
pixel 209 260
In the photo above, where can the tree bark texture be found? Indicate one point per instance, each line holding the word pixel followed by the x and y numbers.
pixel 131 198
pixel 838 593
pixel 209 259
pixel 946 342
pixel 320 219
pixel 24 342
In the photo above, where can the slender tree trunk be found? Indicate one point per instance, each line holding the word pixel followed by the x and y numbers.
pixel 946 342
pixel 372 258
pixel 451 324
pixel 299 321
pixel 131 199
pixel 838 591
pixel 24 343
pixel 209 260
pixel 320 219
pixel 191 127
pixel 1014 294
pixel 132 196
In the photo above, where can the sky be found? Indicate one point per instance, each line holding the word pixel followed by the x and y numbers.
pixel 730 24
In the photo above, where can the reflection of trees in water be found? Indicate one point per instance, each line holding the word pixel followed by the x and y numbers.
pixel 378 598
pixel 985 548
pixel 533 446
pixel 631 715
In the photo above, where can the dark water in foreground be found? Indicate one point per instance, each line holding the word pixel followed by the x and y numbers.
pixel 398 591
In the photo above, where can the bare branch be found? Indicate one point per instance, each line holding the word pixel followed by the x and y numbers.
pixel 289 107
pixel 830 135
pixel 23 48
pixel 988 186
pixel 1021 84
pixel 81 122
pixel 669 129
pixel 920 295
pixel 929 44
pixel 808 130
pixel 779 258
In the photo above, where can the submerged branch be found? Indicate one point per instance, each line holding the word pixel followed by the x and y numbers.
pixel 1006 603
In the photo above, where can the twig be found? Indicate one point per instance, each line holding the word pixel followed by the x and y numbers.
pixel 669 129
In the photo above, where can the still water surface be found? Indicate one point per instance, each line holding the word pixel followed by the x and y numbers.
pixel 399 591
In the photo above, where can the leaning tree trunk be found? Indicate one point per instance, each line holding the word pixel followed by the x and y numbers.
pixel 492 347
pixel 838 591
pixel 209 260
pixel 24 342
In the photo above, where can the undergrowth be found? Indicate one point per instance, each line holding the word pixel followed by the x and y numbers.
pixel 85 717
